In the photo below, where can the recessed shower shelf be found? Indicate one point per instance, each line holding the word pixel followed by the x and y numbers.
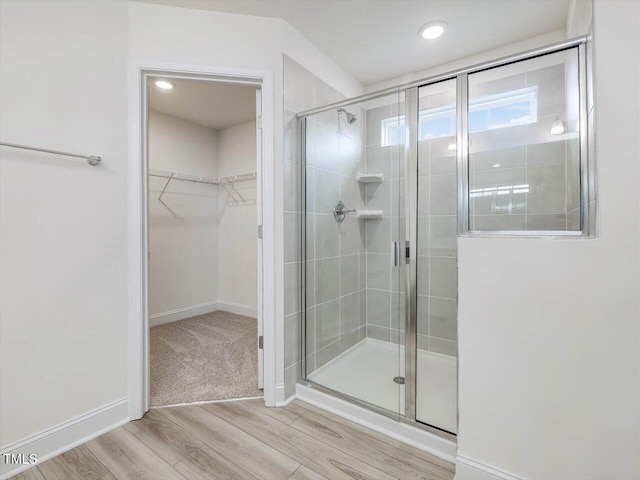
pixel 370 177
pixel 365 214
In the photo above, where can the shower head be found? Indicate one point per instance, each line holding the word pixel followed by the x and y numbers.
pixel 351 118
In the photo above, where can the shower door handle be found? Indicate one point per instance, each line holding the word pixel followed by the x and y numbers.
pixel 395 253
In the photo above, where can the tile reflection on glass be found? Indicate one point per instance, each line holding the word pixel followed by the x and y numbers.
pixel 520 165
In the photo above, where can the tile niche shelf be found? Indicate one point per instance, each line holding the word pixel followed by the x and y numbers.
pixel 368 214
pixel 370 177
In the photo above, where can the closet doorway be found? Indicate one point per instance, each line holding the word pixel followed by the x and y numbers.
pixel 203 208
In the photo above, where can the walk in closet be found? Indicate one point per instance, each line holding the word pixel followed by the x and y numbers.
pixel 202 217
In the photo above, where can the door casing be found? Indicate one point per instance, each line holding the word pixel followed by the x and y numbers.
pixel 138 251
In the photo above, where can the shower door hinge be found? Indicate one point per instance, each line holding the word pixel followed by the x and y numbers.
pixel 407 252
pixel 258 122
pixel 259 231
pixel 261 342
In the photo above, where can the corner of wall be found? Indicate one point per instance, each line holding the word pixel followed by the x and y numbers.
pixel 302 51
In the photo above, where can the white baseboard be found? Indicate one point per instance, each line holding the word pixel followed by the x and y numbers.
pixel 238 309
pixel 195 310
pixel 61 438
pixel 278 395
pixel 287 401
pixel 415 437
pixel 468 469
pixel 182 313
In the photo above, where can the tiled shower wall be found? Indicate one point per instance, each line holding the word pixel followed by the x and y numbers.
pixel 352 289
pixel 335 292
pixel 385 284
pixel 548 165
pixel 335 280
pixel 437 268
pixel 437 246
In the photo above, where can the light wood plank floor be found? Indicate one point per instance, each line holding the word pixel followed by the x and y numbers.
pixel 242 440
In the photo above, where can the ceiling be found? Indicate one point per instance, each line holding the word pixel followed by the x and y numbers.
pixel 213 105
pixel 375 40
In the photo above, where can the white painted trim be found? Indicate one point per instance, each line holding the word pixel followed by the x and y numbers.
pixel 468 469
pixel 65 436
pixel 137 268
pixel 280 396
pixel 402 432
pixel 195 310
pixel 238 309
pixel 287 401
pixel 260 253
pixel 182 313
pixel 137 323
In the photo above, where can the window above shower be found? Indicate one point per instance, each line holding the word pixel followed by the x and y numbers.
pixel 504 110
pixel 527 161
pixel 525 164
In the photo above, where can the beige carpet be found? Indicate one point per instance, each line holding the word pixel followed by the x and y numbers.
pixel 208 357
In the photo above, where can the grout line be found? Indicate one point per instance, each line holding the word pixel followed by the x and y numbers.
pixel 428 245
pixel 339 247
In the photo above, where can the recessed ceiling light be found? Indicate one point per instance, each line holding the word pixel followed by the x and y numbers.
pixel 495 165
pixel 433 30
pixel 164 85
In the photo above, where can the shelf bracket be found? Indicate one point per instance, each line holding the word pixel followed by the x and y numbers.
pixel 165 186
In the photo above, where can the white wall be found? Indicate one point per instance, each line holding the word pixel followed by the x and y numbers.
pixel 237 275
pixel 549 329
pixel 188 36
pixel 579 17
pixel 64 76
pixel 63 73
pixel 183 227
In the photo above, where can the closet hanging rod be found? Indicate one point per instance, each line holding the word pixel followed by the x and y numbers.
pixel 199 179
pixel 91 159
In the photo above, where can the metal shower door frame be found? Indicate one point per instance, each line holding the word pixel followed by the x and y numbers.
pixel 411 243
pixel 412 96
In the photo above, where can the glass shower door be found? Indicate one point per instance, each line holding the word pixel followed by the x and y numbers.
pixel 436 257
pixel 354 277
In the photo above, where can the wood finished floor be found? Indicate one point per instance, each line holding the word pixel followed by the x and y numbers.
pixel 242 440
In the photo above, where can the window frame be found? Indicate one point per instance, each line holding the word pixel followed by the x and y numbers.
pixel 587 173
pixel 385 126
pixel 486 103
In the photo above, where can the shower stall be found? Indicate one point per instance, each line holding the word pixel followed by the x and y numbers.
pixel 390 180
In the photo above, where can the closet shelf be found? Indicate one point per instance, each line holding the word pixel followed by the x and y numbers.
pixel 370 177
pixel 199 179
pixel 228 183
pixel 366 214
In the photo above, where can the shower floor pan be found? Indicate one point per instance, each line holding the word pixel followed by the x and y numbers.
pixel 366 372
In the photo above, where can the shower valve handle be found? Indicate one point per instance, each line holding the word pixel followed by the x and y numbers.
pixel 339 211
